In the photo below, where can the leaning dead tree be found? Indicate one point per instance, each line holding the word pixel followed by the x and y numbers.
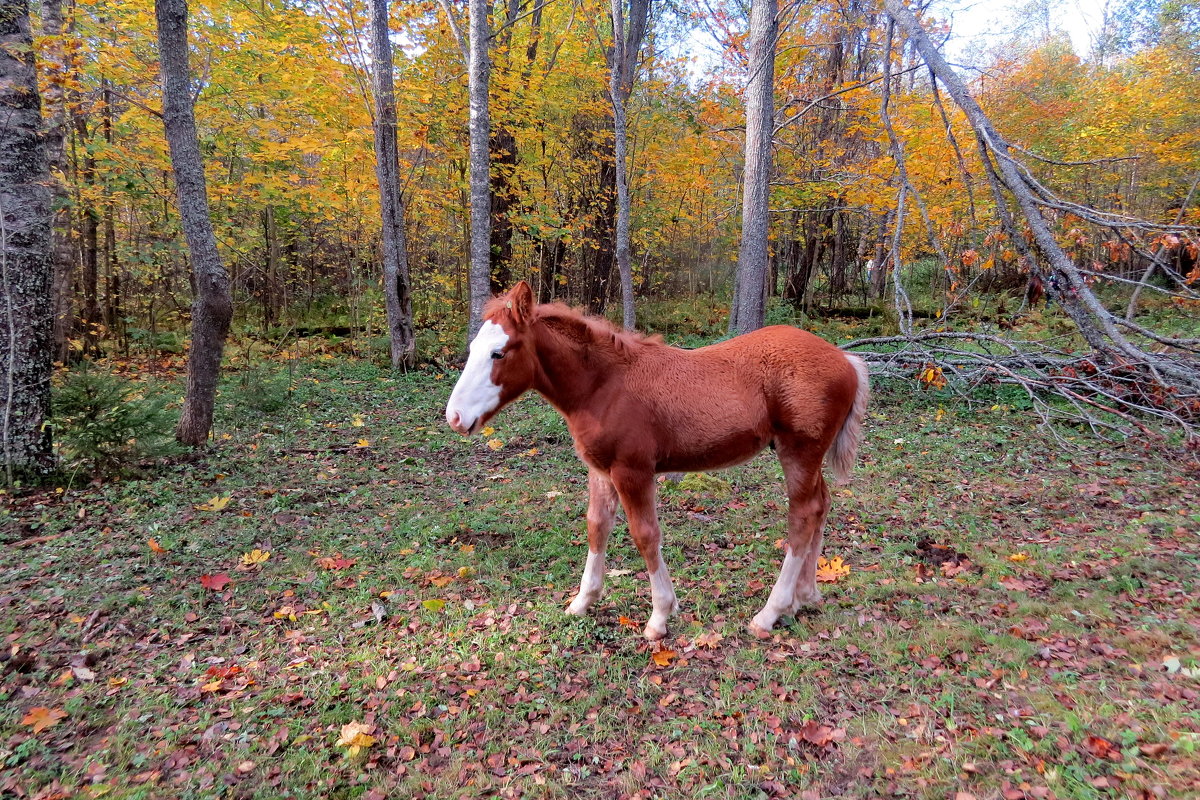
pixel 1126 376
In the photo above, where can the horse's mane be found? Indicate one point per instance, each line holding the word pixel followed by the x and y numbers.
pixel 586 329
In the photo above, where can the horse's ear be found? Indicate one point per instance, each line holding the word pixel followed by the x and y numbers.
pixel 520 301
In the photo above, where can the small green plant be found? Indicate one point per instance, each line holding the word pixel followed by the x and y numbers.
pixel 107 423
pixel 261 389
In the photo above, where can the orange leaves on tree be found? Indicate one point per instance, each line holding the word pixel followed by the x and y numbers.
pixel 39 718
pixel 831 570
pixel 215 583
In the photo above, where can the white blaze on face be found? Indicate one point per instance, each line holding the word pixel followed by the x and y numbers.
pixel 475 395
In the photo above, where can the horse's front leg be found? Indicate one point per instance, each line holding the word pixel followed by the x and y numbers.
pixel 602 511
pixel 637 492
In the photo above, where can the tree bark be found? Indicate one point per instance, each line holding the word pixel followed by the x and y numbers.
pixel 61 247
pixel 396 293
pixel 26 323
pixel 749 309
pixel 478 66
pixel 622 68
pixel 212 306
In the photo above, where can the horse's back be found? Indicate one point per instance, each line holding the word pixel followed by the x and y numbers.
pixel 725 401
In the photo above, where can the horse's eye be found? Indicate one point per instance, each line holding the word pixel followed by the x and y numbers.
pixel 497 354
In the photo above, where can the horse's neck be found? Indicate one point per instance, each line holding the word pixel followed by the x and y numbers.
pixel 570 372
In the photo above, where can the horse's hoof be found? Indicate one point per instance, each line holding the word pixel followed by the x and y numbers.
pixel 758 632
pixel 653 634
pixel 578 608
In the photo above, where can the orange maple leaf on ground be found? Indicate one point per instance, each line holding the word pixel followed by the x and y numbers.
pixel 40 718
pixel 831 570
pixel 154 546
pixel 663 657
pixel 627 622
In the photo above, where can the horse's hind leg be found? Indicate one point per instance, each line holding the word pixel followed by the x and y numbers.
pixel 636 489
pixel 602 511
pixel 808 503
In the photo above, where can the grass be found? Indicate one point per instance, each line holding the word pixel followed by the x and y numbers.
pixel 416 585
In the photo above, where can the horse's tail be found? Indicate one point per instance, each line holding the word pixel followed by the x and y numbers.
pixel 845 446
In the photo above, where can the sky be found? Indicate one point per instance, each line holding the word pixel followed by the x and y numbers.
pixel 980 24
pixel 977 26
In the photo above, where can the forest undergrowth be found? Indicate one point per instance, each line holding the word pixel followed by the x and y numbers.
pixel 342 598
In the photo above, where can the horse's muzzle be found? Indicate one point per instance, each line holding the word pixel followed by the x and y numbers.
pixel 456 423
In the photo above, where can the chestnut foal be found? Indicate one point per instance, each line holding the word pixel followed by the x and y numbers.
pixel 636 407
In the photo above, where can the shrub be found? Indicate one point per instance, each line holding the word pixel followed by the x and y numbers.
pixel 109 423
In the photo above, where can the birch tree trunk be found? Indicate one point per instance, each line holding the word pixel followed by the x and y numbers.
pixel 750 290
pixel 397 298
pixel 25 265
pixel 212 307
pixel 479 279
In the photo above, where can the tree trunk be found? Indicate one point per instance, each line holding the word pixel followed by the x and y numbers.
pixel 26 323
pixel 478 66
pixel 503 147
pixel 622 65
pixel 397 297
pixel 749 310
pixel 212 306
pixel 62 250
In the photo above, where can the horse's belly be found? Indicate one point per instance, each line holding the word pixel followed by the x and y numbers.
pixel 726 451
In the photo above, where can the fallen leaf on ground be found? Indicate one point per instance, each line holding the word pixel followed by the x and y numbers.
pixel 255 556
pixel 627 622
pixel 663 657
pixel 355 737
pixel 216 582
pixel 214 503
pixel 40 718
pixel 434 605
pixel 831 570
pixel 154 546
